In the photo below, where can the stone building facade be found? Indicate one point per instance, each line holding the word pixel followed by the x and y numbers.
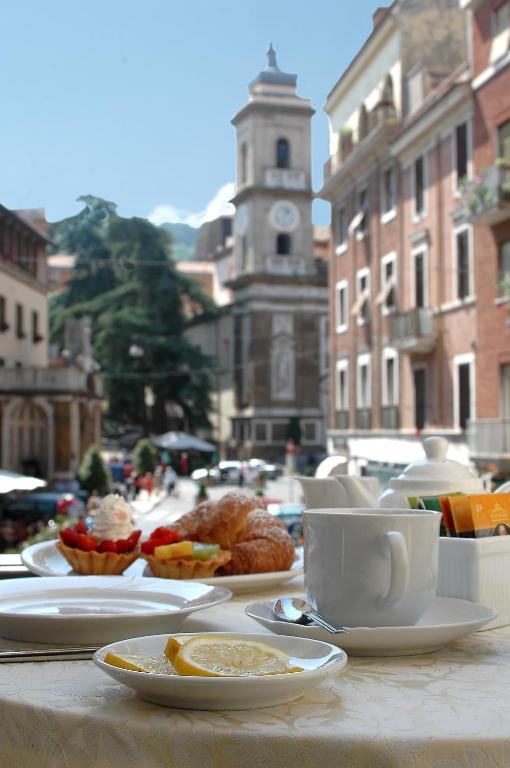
pixel 48 415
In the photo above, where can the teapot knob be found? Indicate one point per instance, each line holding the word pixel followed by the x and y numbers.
pixel 435 448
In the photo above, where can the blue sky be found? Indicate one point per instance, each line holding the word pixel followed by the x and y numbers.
pixel 131 100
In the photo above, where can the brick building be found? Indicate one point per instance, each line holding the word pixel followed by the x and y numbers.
pixel 48 415
pixel 487 199
pixel 403 301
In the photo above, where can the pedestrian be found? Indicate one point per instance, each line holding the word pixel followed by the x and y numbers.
pixel 148 483
pixel 184 464
pixel 169 480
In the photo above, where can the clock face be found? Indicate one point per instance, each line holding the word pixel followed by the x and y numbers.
pixel 242 219
pixel 284 216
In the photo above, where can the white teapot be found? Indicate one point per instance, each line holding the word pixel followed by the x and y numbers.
pixel 430 476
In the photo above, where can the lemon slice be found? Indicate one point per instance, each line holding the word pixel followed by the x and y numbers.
pixel 225 656
pixel 158 665
pixel 174 645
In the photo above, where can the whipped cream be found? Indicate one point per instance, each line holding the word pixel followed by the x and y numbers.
pixel 112 519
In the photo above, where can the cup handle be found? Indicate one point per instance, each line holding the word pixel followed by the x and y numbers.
pixel 399 566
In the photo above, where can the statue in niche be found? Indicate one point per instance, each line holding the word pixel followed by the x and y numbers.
pixel 283 358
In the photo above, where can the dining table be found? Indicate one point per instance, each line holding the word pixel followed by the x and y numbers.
pixel 447 709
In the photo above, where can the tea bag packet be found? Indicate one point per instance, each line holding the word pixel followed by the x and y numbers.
pixel 491 514
pixel 462 515
pixel 440 504
pixel 446 511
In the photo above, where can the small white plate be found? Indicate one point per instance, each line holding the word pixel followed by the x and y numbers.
pixel 44 559
pixel 99 609
pixel 319 660
pixel 447 619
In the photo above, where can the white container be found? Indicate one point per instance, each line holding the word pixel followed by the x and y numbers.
pixel 477 570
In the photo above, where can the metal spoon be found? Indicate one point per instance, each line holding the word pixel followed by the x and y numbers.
pixel 297 611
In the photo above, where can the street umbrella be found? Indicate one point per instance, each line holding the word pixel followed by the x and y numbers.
pixel 11 481
pixel 180 441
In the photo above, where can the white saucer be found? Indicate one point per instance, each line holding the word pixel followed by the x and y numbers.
pixel 445 620
pixel 44 559
pixel 318 659
pixel 99 609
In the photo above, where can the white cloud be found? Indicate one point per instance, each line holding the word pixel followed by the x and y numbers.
pixel 220 205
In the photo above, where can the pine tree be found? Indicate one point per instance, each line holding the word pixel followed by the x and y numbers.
pixel 144 457
pixel 93 474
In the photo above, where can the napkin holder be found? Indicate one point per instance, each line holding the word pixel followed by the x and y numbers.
pixel 477 570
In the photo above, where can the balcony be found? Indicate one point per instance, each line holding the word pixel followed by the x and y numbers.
pixel 342 420
pixel 364 418
pixel 414 331
pixel 285 178
pixel 352 156
pixel 390 417
pixel 489 438
pixel 486 198
pixel 40 380
pixel 289 265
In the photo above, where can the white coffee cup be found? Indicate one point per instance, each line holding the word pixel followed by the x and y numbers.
pixel 371 567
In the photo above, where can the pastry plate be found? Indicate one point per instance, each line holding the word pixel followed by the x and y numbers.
pixel 44 559
pixel 319 660
pixel 447 619
pixel 99 609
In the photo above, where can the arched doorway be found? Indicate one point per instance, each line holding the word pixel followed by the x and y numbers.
pixel 29 439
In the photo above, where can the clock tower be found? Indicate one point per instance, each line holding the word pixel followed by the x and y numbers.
pixel 279 293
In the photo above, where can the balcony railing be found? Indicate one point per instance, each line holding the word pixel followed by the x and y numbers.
pixel 364 418
pixel 413 331
pixel 289 265
pixel 487 196
pixel 43 379
pixel 285 178
pixel 390 417
pixel 489 438
pixel 342 420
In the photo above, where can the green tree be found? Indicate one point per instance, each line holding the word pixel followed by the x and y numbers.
pixel 93 474
pixel 139 299
pixel 144 456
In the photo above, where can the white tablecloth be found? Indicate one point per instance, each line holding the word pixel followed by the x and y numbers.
pixel 449 709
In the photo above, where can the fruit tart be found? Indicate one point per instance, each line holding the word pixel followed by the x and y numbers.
pixel 172 557
pixel 109 548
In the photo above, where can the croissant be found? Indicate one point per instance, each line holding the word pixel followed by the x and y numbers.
pixel 258 542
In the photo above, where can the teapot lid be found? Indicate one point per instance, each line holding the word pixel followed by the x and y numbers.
pixel 436 466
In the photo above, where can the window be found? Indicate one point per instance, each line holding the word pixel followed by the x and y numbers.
pixel 20 322
pixel 419 288
pixel 504 142
pixel 419 186
pixel 390 377
pixel 420 397
pixel 463 389
pixel 463 264
pixel 342 306
pixel 3 314
pixel 362 123
pixel 244 253
pixel 282 153
pixel 341 220
pixel 361 307
pixel 504 270
pixel 364 383
pixel 342 385
pixel 387 298
pixel 461 154
pixel 260 432
pixel 36 336
pixel 244 163
pixel 283 244
pixel 309 431
pixel 415 88
pixel 363 210
pixel 500 32
pixel 388 195
pixel 279 432
pixel 323 345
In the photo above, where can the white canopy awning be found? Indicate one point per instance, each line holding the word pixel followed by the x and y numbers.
pixel 12 481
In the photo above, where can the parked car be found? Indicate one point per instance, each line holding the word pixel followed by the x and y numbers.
pixel 26 515
pixel 213 474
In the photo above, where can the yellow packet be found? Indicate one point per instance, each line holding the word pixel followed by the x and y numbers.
pixel 491 514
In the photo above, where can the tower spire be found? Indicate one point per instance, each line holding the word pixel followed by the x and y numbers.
pixel 271 58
